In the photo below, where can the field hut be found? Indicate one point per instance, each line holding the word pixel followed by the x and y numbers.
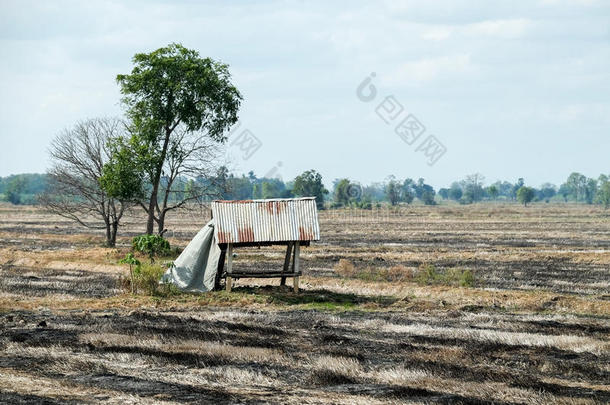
pixel 290 222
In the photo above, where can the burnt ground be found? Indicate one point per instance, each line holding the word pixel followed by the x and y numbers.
pixel 143 354
pixel 534 329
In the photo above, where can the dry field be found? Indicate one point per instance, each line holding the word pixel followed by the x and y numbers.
pixel 533 327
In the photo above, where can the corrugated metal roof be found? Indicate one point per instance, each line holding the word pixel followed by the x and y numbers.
pixel 274 220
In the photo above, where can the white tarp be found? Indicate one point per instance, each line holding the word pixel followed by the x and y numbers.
pixel 195 269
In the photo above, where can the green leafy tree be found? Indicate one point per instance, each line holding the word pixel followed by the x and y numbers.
pixel 525 195
pixel 257 191
pixel 603 194
pixel 309 184
pixel 455 192
pixel 177 102
pixel 189 188
pixel 547 191
pixel 374 192
pixel 428 197
pixel 564 192
pixel 222 184
pixel 120 176
pixel 473 188
pixel 513 193
pixel 576 184
pixel 341 195
pixel 444 193
pixel 492 192
pixel 269 190
pixel 590 191
pixel 23 188
pixel 392 191
pixel 14 189
pixel 241 188
pixel 408 191
pixel 152 245
pixel 424 192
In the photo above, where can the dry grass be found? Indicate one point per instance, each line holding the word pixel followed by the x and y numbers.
pixel 345 268
pixel 365 328
pixel 575 344
pixel 330 370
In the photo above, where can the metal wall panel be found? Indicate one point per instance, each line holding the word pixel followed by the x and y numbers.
pixel 274 220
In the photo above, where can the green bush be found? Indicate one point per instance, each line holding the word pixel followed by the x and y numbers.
pixel 134 265
pixel 147 278
pixel 467 278
pixel 144 279
pixel 152 245
pixel 429 275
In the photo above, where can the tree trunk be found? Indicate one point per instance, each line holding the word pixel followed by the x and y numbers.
pixel 150 223
pixel 153 196
pixel 163 210
pixel 161 222
pixel 115 228
pixel 108 232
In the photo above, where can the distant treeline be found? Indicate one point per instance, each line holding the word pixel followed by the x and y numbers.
pixel 22 188
pixel 25 189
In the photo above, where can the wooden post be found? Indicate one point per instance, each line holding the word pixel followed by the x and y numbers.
pixel 220 269
pixel 229 281
pixel 296 284
pixel 286 262
pixel 295 265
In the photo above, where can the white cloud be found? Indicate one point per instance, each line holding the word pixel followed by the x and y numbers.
pixel 438 33
pixel 509 29
pixel 429 69
pixel 570 2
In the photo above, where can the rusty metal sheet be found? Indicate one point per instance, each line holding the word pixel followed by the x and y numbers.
pixel 273 220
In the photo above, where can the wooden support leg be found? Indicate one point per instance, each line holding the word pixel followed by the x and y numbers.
pixel 295 266
pixel 296 284
pixel 286 262
pixel 229 281
pixel 220 269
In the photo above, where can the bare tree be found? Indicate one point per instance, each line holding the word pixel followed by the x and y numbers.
pixel 188 175
pixel 78 156
pixel 473 187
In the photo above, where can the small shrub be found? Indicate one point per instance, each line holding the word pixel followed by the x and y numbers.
pixel 144 278
pixel 428 275
pixel 398 273
pixel 134 264
pixel 367 274
pixel 459 277
pixel 467 278
pixel 148 276
pixel 345 268
pixel 152 245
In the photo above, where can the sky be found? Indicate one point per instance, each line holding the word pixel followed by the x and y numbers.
pixel 433 89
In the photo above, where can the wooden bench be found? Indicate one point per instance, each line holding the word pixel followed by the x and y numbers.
pixel 291 264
